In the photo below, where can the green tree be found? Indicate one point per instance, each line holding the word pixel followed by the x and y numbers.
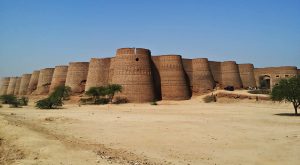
pixel 288 90
pixel 55 99
pixel 111 90
pixel 10 99
pixel 96 92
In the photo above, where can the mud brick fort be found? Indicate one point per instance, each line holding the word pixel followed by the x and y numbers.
pixel 145 78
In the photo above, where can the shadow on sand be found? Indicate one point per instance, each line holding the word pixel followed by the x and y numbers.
pixel 288 114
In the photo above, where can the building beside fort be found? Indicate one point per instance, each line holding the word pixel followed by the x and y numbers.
pixel 145 78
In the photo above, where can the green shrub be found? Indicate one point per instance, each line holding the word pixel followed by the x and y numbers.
pixel 102 101
pixel 55 99
pixel 11 100
pixel 1 106
pixel 23 101
pixel 260 91
pixel 210 98
pixel 153 103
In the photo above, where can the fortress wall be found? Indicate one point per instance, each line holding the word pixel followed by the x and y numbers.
pixel 215 68
pixel 298 71
pixel 202 77
pixel 24 84
pixel 132 70
pixel 156 77
pixel 98 73
pixel 188 69
pixel 230 74
pixel 173 82
pixel 275 73
pixel 17 88
pixel 44 81
pixel 77 76
pixel 4 85
pixel 59 77
pixel 11 85
pixel 33 82
pixel 247 75
pixel 111 70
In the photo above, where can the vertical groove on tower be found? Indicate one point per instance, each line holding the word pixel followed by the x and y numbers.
pixel 173 80
pixel 59 77
pixel 33 82
pixel 77 76
pixel 17 88
pixel 132 70
pixel 98 74
pixel 11 85
pixel 202 77
pixel 24 84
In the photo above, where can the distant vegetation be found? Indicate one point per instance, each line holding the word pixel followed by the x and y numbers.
pixel 55 99
pixel 260 91
pixel 13 101
pixel 288 90
pixel 104 95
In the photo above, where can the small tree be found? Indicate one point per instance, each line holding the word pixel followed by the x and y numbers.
pixel 10 99
pixel 55 99
pixel 112 89
pixel 96 92
pixel 288 90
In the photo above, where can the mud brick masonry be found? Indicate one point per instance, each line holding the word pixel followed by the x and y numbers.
pixel 145 78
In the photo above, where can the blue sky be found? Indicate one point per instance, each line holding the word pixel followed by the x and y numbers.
pixel 36 34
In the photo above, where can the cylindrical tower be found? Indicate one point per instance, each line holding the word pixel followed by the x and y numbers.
pixel 4 85
pixel 59 77
pixel 11 85
pixel 24 84
pixel 215 68
pixel 132 70
pixel 33 82
pixel 202 77
pixel 76 76
pixel 17 88
pixel 230 74
pixel 173 80
pixel 98 73
pixel 247 75
pixel 44 82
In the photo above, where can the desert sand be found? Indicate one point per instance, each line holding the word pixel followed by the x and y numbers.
pixel 174 132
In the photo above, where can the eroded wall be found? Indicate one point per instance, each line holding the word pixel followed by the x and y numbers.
pixel 59 77
pixel 34 79
pixel 24 84
pixel 77 76
pixel 44 82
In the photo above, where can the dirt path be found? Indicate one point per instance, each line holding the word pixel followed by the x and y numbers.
pixel 24 142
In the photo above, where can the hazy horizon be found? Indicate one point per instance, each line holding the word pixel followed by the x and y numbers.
pixel 39 34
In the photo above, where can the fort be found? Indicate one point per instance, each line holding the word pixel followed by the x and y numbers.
pixel 145 78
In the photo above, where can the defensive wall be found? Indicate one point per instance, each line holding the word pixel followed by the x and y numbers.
pixel 146 78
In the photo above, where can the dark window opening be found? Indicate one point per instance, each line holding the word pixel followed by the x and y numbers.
pixel 137 59
pixel 286 75
pixel 277 75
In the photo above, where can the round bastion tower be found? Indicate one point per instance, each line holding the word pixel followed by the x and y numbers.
pixel 132 70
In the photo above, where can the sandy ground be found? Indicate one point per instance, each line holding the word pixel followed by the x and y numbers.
pixel 180 132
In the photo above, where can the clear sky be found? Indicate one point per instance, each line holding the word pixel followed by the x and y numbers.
pixel 36 34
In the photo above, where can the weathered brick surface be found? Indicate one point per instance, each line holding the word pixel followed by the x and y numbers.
pixel 44 81
pixel 34 79
pixel 59 77
pixel 24 84
pixel 4 85
pixel 76 76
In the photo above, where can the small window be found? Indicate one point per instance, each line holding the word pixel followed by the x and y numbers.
pixel 137 59
pixel 286 75
pixel 277 75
